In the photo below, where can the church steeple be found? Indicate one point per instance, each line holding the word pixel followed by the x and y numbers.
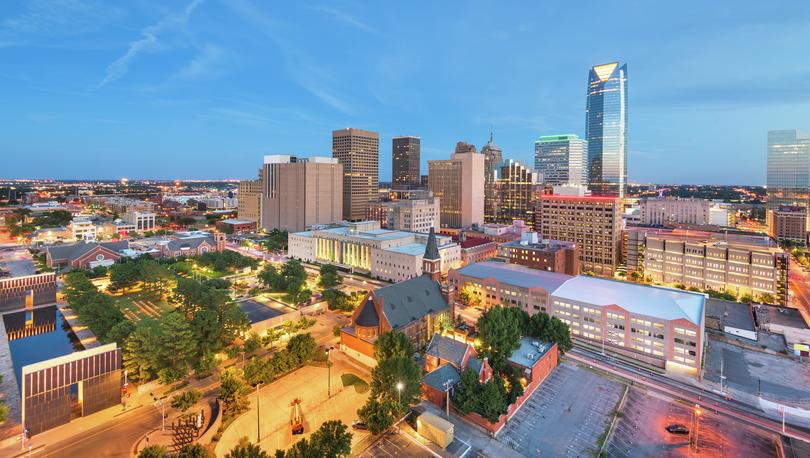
pixel 432 260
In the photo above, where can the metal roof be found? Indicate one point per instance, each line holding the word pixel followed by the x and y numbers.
pixel 530 352
pixel 448 349
pixel 410 300
pixel 663 303
pixel 517 275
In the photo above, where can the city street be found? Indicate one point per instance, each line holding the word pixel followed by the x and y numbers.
pixel 799 282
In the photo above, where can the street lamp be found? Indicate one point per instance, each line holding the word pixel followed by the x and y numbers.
pixel 328 373
pixel 258 416
pixel 697 412
pixel 399 393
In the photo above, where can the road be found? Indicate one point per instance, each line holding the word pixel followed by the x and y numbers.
pixel 686 392
pixel 799 282
pixel 112 439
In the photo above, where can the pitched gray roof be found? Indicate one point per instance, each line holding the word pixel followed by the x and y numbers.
pixel 432 247
pixel 447 349
pixel 475 364
pixel 76 250
pixel 411 300
pixel 514 274
pixel 368 315
pixel 440 375
pixel 189 243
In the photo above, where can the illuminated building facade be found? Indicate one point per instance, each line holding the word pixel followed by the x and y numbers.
pixel 561 159
pixel 606 129
pixel 359 152
pixel 788 168
pixel 516 191
pixel 405 170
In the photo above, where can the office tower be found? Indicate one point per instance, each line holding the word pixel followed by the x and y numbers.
pixel 593 223
pixel 516 191
pixel 249 202
pixel 606 129
pixel 300 192
pixel 674 210
pixel 412 215
pixel 459 183
pixel 561 159
pixel 788 168
pixel 740 264
pixel 788 223
pixel 359 153
pixel 493 159
pixel 405 173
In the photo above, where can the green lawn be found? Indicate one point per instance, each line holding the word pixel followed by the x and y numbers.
pixel 139 305
pixel 350 379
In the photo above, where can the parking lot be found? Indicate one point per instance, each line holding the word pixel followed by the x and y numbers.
pixel 565 416
pixel 641 431
pixel 395 444
pixel 777 377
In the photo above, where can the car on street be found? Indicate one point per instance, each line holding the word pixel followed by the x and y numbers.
pixel 360 425
pixel 677 429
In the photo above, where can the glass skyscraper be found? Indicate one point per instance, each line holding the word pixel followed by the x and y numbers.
pixel 561 159
pixel 788 168
pixel 606 129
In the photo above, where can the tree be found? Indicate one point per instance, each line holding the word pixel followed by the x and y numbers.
pixel 121 331
pixel 377 415
pixel 232 393
pixel 153 451
pixel 245 449
pixel 194 451
pixel 465 399
pixel 176 346
pixel 301 348
pixel 123 275
pixel 499 329
pixel 186 400
pixel 549 329
pixel 332 440
pixel 391 372
pixel 140 351
pixel 468 296
pixel 493 401
pixel 329 276
pixel 277 240
pixel 393 344
pixel 3 412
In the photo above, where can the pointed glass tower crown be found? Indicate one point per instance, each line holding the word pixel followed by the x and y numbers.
pixel 606 129
pixel 493 160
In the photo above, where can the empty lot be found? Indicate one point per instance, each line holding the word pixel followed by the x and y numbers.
pixel 565 416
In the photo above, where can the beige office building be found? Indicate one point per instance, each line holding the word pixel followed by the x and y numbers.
pixel 249 205
pixel 413 215
pixel 669 210
pixel 363 246
pixel 359 153
pixel 300 192
pixel 459 183
pixel 740 264
pixel 593 223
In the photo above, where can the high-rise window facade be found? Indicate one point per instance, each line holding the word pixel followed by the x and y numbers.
pixel 606 129
pixel 561 159
pixel 788 168
pixel 405 172
pixel 517 189
pixel 359 152
pixel 493 159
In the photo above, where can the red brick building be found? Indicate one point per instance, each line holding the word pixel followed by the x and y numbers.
pixel 236 226
pixel 475 249
pixel 84 255
pixel 548 255
pixel 193 245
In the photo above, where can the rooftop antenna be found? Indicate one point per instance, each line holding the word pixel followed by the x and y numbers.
pixel 490 133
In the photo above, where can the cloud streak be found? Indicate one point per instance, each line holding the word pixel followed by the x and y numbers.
pixel 347 19
pixel 150 41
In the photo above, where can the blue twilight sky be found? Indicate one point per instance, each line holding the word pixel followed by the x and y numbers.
pixel 203 89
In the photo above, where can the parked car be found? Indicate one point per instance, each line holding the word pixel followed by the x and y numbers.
pixel 677 429
pixel 359 424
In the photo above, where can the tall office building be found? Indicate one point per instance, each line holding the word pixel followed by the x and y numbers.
pixel 359 152
pixel 249 201
pixel 561 159
pixel 405 173
pixel 459 184
pixel 298 193
pixel 516 191
pixel 593 223
pixel 788 168
pixel 493 160
pixel 606 129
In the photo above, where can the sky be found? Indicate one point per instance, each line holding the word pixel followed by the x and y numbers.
pixel 203 89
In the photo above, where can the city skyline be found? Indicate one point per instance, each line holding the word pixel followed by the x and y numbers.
pixel 98 83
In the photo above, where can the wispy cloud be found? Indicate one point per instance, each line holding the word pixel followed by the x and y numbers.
pixel 240 116
pixel 300 68
pixel 149 42
pixel 61 16
pixel 202 64
pixel 348 19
